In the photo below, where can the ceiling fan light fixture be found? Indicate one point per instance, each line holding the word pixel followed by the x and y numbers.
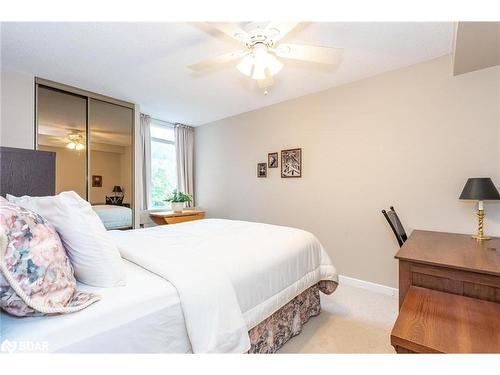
pixel 260 64
pixel 259 71
pixel 273 32
pixel 273 64
pixel 75 142
pixel 260 53
pixel 263 48
pixel 245 66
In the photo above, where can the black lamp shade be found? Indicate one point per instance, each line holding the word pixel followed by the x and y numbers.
pixel 118 189
pixel 480 189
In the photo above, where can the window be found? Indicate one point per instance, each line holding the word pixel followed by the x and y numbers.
pixel 163 163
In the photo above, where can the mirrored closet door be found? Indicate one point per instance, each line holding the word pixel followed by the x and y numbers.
pixel 62 128
pixel 110 146
pixel 92 136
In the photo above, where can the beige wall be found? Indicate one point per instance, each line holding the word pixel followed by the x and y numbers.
pixel 107 165
pixel 115 169
pixel 113 166
pixel 70 169
pixel 17 109
pixel 477 46
pixel 409 138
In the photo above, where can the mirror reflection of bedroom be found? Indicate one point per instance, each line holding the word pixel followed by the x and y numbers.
pixel 93 142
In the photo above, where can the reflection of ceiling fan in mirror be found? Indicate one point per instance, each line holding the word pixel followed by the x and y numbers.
pixel 262 42
pixel 75 142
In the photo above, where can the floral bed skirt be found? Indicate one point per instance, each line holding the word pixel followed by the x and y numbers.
pixel 271 334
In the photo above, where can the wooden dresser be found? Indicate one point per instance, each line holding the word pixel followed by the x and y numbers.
pixel 171 217
pixel 452 263
pixel 449 294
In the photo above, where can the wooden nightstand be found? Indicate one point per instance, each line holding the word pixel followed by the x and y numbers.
pixel 449 294
pixel 171 217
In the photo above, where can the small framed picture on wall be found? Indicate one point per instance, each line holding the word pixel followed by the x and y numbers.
pixel 96 181
pixel 272 160
pixel 262 170
pixel 291 163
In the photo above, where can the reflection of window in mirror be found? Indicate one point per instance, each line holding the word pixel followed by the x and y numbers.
pixel 61 119
pixel 110 147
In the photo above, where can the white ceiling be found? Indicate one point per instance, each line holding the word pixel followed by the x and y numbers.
pixel 146 63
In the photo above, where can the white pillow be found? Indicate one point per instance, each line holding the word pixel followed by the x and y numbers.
pixel 95 258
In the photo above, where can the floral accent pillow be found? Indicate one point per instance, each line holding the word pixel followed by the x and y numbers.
pixel 36 276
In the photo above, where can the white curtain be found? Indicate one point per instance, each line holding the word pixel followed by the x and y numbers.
pixel 146 160
pixel 184 148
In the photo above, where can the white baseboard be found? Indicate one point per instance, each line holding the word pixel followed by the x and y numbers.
pixel 377 288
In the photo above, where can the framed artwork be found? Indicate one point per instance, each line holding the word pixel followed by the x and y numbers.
pixel 96 181
pixel 272 160
pixel 291 163
pixel 262 170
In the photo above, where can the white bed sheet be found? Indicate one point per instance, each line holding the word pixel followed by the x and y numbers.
pixel 145 316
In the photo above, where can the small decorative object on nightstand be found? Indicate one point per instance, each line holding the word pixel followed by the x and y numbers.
pixel 480 189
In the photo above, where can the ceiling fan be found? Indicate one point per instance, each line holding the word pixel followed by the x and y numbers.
pixel 75 141
pixel 262 47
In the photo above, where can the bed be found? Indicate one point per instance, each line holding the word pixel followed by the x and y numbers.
pixel 114 217
pixel 149 320
pixel 276 294
pixel 211 285
pixel 232 275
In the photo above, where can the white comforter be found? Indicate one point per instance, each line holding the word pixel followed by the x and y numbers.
pixel 230 275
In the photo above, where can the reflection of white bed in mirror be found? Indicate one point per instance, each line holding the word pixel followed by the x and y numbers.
pixel 114 217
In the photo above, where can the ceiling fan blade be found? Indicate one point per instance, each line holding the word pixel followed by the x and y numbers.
pixel 278 30
pixel 214 61
pixel 232 30
pixel 322 55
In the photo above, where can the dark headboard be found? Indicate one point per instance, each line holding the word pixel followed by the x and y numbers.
pixel 27 172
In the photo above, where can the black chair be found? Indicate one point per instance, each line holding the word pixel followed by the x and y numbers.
pixel 396 226
pixel 115 201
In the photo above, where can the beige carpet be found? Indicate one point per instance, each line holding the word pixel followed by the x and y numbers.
pixel 352 320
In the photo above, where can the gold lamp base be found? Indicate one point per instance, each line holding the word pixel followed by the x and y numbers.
pixel 480 235
pixel 481 238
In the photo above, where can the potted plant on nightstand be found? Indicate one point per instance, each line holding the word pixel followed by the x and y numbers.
pixel 177 199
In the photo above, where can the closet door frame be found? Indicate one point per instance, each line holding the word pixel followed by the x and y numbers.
pixel 87 165
pixel 87 95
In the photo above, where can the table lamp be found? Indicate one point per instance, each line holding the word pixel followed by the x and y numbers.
pixel 117 190
pixel 480 189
